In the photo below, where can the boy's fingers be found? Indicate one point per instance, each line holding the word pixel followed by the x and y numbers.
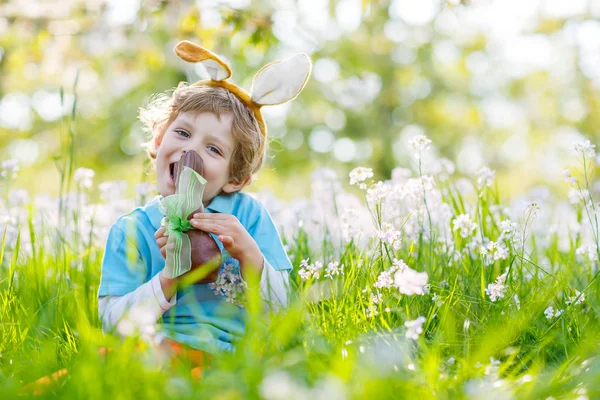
pixel 205 226
pixel 160 232
pixel 161 241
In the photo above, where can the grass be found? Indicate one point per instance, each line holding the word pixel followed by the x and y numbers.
pixel 334 340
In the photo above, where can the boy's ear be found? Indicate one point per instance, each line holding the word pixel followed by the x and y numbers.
pixel 231 186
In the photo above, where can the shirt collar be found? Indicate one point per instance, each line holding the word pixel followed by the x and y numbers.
pixel 222 203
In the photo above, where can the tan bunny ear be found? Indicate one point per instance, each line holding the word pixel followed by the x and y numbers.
pixel 281 81
pixel 191 52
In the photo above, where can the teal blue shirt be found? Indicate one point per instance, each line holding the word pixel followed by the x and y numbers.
pixel 200 318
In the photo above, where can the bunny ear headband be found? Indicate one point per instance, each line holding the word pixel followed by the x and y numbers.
pixel 275 83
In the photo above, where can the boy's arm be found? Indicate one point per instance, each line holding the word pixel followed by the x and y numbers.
pixel 274 285
pixel 123 285
pixel 147 301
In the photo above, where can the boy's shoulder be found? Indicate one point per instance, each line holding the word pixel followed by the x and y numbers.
pixel 146 215
pixel 244 206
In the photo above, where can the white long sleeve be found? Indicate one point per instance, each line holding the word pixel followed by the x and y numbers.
pixel 273 286
pixel 148 303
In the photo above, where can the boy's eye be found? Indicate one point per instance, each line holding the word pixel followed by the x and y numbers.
pixel 180 131
pixel 216 150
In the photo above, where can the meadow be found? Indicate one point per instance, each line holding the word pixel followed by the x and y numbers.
pixel 428 285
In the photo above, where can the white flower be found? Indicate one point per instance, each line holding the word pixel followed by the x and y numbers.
pixel 463 223
pixel 388 234
pixel 577 299
pixel 304 274
pixel 589 251
pixel 509 230
pixel 585 148
pixel 486 177
pixel 567 174
pixel 9 167
pixel 378 193
pixel 549 312
pixel 371 312
pixel 333 268
pixel 419 144
pixel 493 252
pixel 360 174
pixel 496 290
pixel 230 284
pixel 410 282
pixel 376 298
pixel 415 328
pixel 83 177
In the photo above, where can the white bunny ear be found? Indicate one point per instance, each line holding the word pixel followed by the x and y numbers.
pixel 280 81
pixel 191 52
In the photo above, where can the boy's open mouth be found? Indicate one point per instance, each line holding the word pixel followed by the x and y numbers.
pixel 172 171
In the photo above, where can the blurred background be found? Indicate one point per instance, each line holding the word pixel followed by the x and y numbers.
pixel 508 84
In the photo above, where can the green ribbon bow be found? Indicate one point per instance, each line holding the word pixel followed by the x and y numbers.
pixel 176 208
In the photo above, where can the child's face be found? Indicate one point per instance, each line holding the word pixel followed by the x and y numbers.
pixel 211 138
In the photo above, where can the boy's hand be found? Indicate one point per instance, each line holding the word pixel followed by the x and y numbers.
pixel 161 240
pixel 235 238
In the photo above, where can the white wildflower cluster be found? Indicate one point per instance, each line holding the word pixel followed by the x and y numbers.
pixel 230 284
pixel 464 224
pixel 494 251
pixel 419 144
pixel 325 217
pixel 587 251
pixel 577 299
pixel 378 192
pixel 376 298
pixel 568 178
pixel 9 168
pixel 410 282
pixel 509 231
pixel 550 313
pixel 585 148
pixel 388 234
pixel 386 278
pixel 415 328
pixel 81 219
pixel 334 268
pixel 497 289
pixel 485 177
pixel 314 270
pixel 84 177
pixel 349 229
pixel 359 175
pixel 401 276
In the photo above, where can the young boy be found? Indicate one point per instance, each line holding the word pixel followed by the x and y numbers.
pixel 223 124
